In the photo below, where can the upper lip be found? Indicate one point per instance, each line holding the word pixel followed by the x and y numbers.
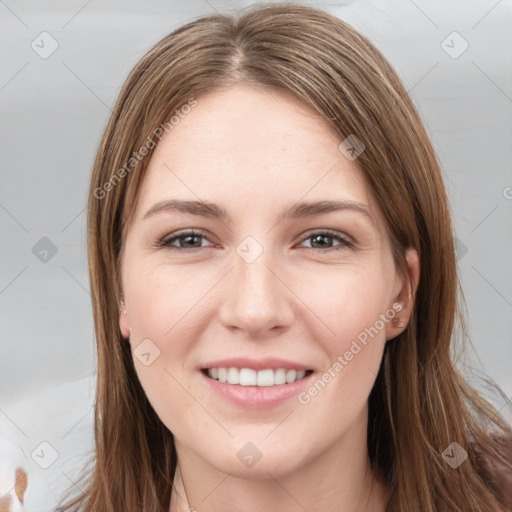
pixel 256 364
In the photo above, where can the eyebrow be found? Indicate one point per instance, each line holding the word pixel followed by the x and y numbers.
pixel 296 211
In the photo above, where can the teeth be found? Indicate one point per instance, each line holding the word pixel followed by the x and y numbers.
pixel 233 376
pixel 250 377
pixel 280 376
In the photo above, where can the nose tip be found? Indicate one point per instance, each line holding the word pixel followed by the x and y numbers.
pixel 256 300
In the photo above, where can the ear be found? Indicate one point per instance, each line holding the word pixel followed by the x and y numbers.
pixel 404 296
pixel 124 325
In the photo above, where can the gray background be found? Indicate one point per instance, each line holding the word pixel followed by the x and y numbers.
pixel 53 110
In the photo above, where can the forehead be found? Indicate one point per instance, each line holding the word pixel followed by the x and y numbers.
pixel 252 149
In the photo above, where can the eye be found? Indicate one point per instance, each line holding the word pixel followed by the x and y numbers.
pixel 187 240
pixel 324 239
pixel 320 240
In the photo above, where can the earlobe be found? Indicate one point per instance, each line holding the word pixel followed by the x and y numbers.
pixel 403 302
pixel 413 263
pixel 123 321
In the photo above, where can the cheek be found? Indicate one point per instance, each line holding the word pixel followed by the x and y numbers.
pixel 162 297
pixel 352 333
pixel 339 393
pixel 171 397
pixel 165 311
pixel 347 302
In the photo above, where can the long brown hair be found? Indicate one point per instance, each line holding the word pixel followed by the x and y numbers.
pixel 420 403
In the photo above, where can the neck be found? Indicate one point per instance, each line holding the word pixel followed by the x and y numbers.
pixel 338 480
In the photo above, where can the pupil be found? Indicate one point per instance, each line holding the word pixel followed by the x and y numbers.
pixel 321 237
pixel 188 238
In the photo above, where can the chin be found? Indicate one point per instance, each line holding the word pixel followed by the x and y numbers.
pixel 256 460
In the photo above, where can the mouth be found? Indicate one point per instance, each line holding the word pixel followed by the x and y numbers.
pixel 260 378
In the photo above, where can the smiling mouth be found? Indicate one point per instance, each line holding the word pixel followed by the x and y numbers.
pixel 251 377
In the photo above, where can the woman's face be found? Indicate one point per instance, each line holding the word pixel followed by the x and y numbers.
pixel 261 288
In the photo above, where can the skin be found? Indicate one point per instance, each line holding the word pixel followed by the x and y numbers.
pixel 254 153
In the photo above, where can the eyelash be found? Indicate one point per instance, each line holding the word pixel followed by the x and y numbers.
pixel 344 242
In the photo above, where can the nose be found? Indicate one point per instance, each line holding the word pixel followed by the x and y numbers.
pixel 257 299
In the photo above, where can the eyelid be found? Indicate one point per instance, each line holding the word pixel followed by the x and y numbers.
pixel 165 242
pixel 346 242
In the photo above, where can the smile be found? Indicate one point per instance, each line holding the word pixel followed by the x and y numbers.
pixel 260 378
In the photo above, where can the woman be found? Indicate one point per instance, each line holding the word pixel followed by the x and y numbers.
pixel 274 285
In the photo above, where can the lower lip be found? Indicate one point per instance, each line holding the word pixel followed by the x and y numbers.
pixel 256 397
